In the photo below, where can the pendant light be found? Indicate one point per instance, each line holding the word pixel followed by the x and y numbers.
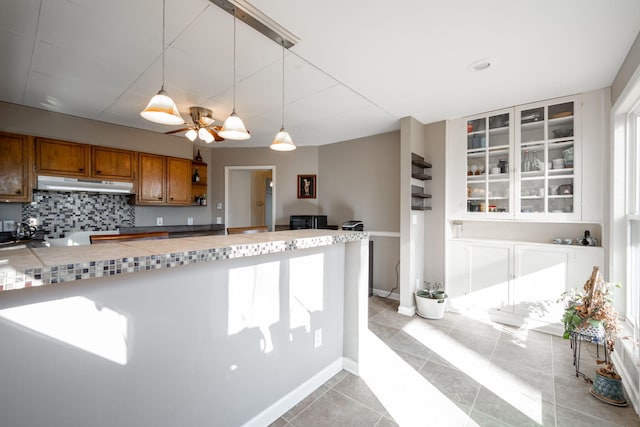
pixel 161 108
pixel 233 127
pixel 283 141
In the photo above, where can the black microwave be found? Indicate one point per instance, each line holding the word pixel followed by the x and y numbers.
pixel 297 222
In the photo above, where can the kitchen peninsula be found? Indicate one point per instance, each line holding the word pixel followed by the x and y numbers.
pixel 224 330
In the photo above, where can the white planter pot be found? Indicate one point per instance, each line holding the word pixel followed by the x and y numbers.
pixel 430 308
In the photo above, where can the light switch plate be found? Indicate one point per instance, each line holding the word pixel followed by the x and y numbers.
pixel 218 220
pixel 219 205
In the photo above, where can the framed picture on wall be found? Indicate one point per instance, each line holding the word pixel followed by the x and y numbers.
pixel 306 186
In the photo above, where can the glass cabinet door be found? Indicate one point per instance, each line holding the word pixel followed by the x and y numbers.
pixel 545 157
pixel 488 159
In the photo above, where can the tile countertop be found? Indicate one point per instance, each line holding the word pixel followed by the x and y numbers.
pixel 24 267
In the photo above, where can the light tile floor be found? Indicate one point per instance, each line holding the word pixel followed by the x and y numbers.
pixel 538 364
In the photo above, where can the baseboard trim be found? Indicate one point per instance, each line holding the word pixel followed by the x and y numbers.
pixel 350 366
pixel 280 407
pixel 633 394
pixel 382 293
pixel 407 311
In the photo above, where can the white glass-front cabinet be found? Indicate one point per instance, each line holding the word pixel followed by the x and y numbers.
pixel 489 154
pixel 524 162
pixel 547 136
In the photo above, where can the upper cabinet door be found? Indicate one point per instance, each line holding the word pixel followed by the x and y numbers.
pixel 548 160
pixel 62 158
pixel 178 181
pixel 111 163
pixel 489 148
pixel 15 168
pixel 151 179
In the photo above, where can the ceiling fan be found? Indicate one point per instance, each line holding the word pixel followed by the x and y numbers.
pixel 201 127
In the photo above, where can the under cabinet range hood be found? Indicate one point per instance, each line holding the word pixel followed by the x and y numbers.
pixel 58 183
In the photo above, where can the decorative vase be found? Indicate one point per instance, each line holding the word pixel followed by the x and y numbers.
pixel 608 390
pixel 431 308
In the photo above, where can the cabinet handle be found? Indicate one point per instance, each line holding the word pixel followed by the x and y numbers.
pixel 19 192
pixel 81 170
pixel 159 198
pixel 98 172
pixel 171 198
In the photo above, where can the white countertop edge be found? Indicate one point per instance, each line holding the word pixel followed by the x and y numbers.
pixel 217 248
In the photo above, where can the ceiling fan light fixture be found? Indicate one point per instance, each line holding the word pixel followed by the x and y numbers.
pixel 205 136
pixel 161 109
pixel 282 141
pixel 191 135
pixel 208 138
pixel 233 128
pixel 202 133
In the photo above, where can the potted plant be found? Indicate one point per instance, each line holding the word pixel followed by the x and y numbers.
pixel 431 301
pixel 591 315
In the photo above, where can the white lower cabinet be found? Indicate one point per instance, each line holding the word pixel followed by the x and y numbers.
pixel 516 282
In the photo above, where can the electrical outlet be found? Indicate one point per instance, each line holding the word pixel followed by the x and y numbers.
pixel 317 338
pixel 159 220
pixel 189 221
pixel 218 220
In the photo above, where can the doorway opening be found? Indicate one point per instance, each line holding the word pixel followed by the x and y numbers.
pixel 250 196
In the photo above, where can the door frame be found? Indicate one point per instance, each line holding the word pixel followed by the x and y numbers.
pixel 228 169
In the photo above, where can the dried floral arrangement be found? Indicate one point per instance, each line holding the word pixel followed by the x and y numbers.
pixel 594 307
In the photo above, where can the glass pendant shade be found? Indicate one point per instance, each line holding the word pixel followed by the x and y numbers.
pixel 191 135
pixel 162 109
pixel 205 135
pixel 283 141
pixel 233 128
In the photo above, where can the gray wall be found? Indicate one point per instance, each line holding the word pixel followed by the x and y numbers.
pixel 33 121
pixel 303 161
pixel 356 179
pixel 360 179
pixel 435 220
pixel 630 66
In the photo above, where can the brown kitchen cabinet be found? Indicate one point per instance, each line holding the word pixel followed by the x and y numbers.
pixel 62 158
pixel 152 170
pixel 15 168
pixel 163 180
pixel 199 186
pixel 178 181
pixel 111 163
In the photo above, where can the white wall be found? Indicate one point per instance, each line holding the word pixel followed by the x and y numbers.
pixel 204 344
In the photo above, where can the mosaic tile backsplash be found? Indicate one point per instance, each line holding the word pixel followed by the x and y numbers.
pixel 59 213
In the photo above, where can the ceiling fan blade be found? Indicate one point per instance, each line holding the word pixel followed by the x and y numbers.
pixel 213 132
pixel 176 131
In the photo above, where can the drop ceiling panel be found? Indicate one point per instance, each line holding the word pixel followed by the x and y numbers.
pixel 20 16
pixel 358 68
pixel 15 50
pixel 67 96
